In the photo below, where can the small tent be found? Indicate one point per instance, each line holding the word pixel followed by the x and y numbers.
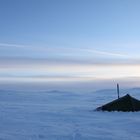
pixel 125 103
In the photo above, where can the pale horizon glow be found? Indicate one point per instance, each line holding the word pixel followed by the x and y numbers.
pixel 70 70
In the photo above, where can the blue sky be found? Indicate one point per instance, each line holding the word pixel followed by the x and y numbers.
pixel 64 40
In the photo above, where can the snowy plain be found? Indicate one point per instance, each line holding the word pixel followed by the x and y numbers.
pixel 65 115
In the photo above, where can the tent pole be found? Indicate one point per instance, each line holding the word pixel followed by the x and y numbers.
pixel 118 91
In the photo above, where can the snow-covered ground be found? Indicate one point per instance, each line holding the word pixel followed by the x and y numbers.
pixel 64 115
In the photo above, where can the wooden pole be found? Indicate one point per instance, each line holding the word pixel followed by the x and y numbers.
pixel 118 91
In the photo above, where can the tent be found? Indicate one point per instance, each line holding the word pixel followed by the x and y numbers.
pixel 125 103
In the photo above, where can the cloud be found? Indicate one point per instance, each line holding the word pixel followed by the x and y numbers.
pixel 106 53
pixel 12 45
pixel 84 50
pixel 19 54
pixel 32 48
pixel 63 50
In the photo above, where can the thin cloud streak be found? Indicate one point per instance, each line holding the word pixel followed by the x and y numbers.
pixel 22 46
pixel 107 53
pixel 63 50
pixel 12 45
pixel 86 50
pixel 18 53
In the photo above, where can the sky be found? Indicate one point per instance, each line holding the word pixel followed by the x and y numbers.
pixel 69 40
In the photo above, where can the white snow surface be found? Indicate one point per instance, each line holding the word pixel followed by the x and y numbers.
pixel 64 115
